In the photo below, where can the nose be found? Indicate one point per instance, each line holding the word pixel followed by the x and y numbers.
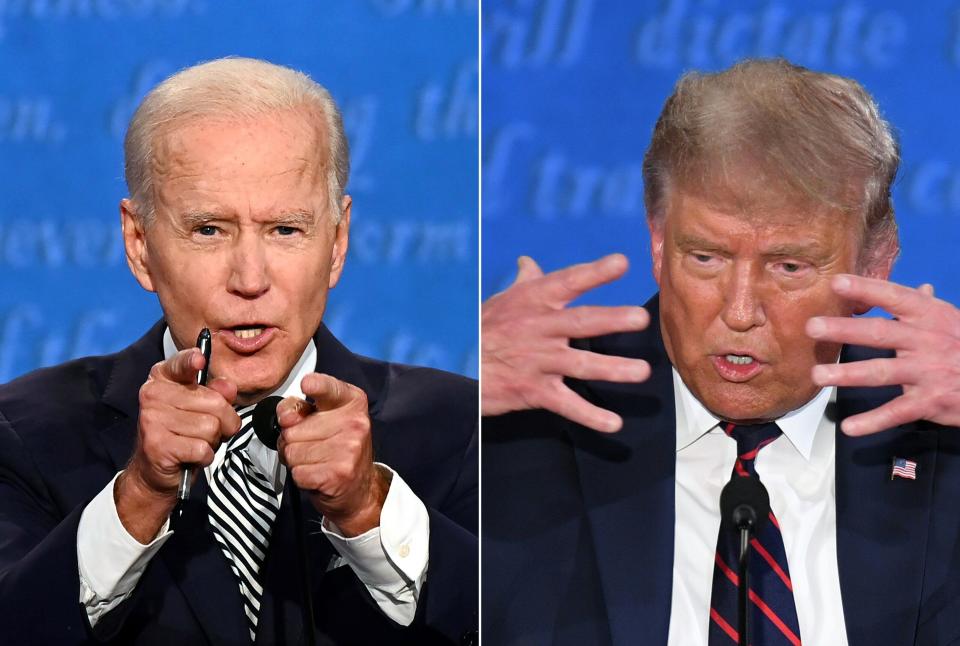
pixel 249 272
pixel 743 303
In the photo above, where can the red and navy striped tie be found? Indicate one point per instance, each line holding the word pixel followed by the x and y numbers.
pixel 773 614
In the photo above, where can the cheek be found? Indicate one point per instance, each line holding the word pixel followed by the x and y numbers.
pixel 789 323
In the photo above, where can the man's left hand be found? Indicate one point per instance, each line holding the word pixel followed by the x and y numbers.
pixel 926 338
pixel 327 447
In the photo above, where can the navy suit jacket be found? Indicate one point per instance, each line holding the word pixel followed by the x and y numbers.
pixel 64 433
pixel 578 526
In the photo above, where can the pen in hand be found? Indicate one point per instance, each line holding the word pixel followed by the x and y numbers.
pixel 205 345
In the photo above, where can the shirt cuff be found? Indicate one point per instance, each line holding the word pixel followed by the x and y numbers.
pixel 110 560
pixel 390 560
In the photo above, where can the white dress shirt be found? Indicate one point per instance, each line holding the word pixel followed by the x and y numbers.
pixel 798 471
pixel 391 560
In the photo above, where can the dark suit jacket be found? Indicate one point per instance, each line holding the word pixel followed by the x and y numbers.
pixel 578 526
pixel 65 432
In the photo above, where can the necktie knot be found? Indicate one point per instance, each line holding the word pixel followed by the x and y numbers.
pixel 750 439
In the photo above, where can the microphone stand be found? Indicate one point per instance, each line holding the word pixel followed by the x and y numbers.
pixel 743 590
pixel 306 588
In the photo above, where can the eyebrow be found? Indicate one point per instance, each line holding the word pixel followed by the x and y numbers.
pixel 300 217
pixel 809 249
pixel 295 217
pixel 806 249
pixel 689 241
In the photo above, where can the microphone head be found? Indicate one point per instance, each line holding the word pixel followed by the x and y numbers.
pixel 744 502
pixel 265 423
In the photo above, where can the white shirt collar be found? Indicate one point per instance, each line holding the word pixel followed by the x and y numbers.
pixel 799 426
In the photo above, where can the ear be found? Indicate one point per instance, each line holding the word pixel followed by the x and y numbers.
pixel 135 244
pixel 341 240
pixel 656 245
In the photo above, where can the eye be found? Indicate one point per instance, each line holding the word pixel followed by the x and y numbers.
pixel 791 268
pixel 284 230
pixel 207 230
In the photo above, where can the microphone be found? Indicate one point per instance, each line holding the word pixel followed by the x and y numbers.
pixel 265 423
pixel 744 507
pixel 744 504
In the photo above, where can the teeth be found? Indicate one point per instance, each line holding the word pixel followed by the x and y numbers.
pixel 249 333
pixel 739 360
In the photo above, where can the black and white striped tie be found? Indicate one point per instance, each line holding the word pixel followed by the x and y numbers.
pixel 242 506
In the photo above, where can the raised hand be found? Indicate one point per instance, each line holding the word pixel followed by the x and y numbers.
pixel 180 423
pixel 926 338
pixel 327 446
pixel 525 336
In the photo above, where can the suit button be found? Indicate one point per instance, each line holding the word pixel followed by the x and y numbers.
pixel 404 551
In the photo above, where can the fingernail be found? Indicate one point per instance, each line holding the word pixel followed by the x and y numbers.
pixel 816 326
pixel 841 283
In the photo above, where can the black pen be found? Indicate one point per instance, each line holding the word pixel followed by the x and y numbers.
pixel 205 345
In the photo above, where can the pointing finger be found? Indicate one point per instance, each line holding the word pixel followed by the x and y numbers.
pixel 181 368
pixel 327 392
pixel 293 410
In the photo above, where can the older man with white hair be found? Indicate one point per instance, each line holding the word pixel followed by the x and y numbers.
pixel 238 221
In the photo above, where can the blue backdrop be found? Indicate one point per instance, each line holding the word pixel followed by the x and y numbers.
pixel 572 88
pixel 405 74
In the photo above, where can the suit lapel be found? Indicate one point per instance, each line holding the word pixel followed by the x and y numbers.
pixel 121 394
pixel 882 524
pixel 198 567
pixel 627 480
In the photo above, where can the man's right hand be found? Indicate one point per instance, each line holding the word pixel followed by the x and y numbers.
pixel 525 340
pixel 180 423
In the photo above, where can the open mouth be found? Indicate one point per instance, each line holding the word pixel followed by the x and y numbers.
pixel 247 338
pixel 737 367
pixel 247 331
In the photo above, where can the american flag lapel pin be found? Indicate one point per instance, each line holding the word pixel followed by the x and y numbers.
pixel 903 468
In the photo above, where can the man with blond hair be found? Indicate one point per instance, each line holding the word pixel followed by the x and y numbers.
pixel 237 219
pixel 767 190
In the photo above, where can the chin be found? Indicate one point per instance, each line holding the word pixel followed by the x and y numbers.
pixel 740 403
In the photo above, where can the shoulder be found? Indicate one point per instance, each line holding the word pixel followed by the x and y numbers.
pixel 399 389
pixel 84 393
pixel 54 393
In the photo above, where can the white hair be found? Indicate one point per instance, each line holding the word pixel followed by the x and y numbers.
pixel 231 87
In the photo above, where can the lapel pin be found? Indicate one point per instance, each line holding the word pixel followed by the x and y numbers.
pixel 903 468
